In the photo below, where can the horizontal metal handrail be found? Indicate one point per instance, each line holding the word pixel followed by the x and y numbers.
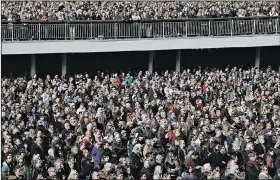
pixel 139 29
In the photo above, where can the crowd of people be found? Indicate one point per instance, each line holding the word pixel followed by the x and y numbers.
pixel 111 10
pixel 193 124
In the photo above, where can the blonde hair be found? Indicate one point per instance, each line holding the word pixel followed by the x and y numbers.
pixel 169 156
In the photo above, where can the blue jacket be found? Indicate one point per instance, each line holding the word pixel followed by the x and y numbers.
pixel 96 154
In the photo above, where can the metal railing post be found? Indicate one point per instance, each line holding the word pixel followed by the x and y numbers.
pixel 209 28
pixel 186 28
pixel 115 30
pixel 231 28
pixel 39 32
pixel 91 31
pixel 65 32
pixel 276 28
pixel 12 31
pixel 254 27
pixel 163 29
pixel 140 29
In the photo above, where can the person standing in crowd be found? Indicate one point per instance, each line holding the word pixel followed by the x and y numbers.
pixel 252 169
pixel 136 161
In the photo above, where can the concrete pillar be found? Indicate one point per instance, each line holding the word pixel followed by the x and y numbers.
pixel 32 65
pixel 178 60
pixel 64 64
pixel 151 61
pixel 258 57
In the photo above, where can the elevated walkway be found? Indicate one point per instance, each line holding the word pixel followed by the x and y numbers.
pixel 86 46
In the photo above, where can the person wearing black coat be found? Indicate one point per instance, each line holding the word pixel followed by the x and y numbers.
pixel 37 148
pixel 146 170
pixel 224 158
pixel 252 169
pixel 78 155
pixel 86 165
pixel 259 148
pixel 268 140
pixel 62 169
pixel 181 153
pixel 50 159
pixel 276 151
pixel 118 148
pixel 136 161
pixel 215 158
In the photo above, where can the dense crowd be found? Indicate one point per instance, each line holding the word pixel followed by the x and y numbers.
pixel 98 10
pixel 194 124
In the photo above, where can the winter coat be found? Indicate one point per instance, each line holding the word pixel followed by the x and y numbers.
pixel 181 156
pixel 277 158
pixel 96 154
pixel 136 164
pixel 252 172
pixel 35 149
pixel 86 167
pixel 147 172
